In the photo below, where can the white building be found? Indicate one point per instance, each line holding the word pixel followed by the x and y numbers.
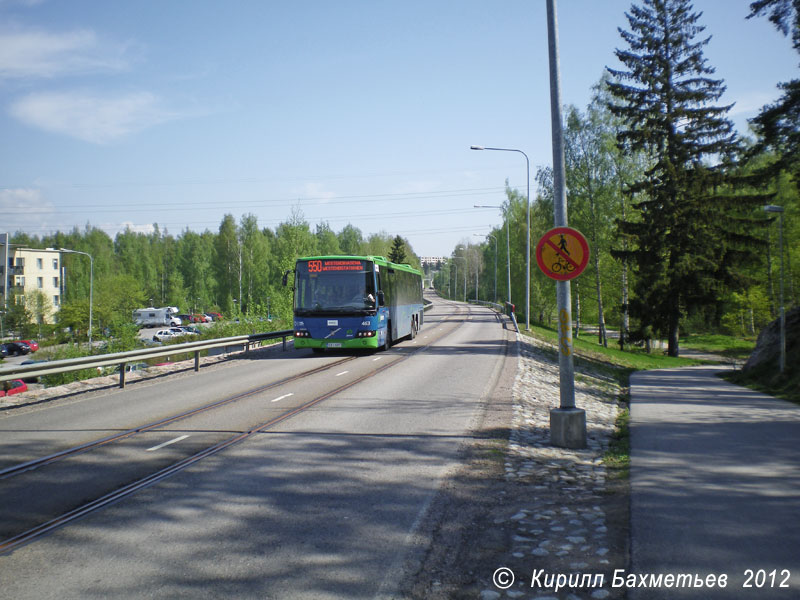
pixel 25 271
pixel 432 260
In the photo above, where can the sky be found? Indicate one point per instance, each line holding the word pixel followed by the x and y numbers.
pixel 125 114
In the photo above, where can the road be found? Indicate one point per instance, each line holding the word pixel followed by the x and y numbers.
pixel 322 502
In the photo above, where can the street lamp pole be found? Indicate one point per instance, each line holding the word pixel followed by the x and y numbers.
pixel 466 273
pixel 567 423
pixel 528 236
pixel 91 287
pixel 508 246
pixel 495 262
pixel 771 208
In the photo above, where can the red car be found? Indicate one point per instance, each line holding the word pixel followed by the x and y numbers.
pixel 32 343
pixel 15 386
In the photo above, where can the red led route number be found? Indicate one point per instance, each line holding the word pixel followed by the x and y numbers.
pixel 320 266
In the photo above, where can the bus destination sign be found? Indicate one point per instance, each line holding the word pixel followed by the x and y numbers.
pixel 325 266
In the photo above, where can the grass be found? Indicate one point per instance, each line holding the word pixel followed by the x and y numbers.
pixel 724 345
pixel 630 360
pixel 618 457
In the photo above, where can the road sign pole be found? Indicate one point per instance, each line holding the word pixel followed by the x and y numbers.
pixel 567 423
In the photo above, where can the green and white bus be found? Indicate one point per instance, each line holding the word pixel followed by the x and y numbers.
pixel 357 302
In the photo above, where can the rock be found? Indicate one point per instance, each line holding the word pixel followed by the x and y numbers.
pixel 767 349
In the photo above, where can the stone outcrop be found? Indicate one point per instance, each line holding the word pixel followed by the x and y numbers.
pixel 767 351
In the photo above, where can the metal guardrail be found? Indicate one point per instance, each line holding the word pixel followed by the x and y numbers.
pixel 508 309
pixel 8 373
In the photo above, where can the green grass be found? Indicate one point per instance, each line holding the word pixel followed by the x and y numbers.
pixel 589 350
pixel 618 457
pixel 724 345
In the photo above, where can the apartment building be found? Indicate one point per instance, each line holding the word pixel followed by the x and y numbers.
pixel 25 271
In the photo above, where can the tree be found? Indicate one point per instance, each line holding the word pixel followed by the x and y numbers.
pixel 398 251
pixel 690 238
pixel 40 307
pixel 327 242
pixel 351 240
pixel 590 181
pixel 778 124
pixel 228 263
pixel 18 316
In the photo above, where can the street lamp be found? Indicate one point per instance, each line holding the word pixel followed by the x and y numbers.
pixel 771 208
pixel 508 248
pixel 527 237
pixel 91 287
pixel 466 272
pixel 495 261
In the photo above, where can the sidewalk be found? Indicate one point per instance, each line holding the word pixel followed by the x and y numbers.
pixel 715 486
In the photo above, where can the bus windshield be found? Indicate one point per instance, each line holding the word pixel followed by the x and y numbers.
pixel 334 286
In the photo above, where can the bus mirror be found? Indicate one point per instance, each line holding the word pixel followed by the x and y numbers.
pixel 381 299
pixel 286 278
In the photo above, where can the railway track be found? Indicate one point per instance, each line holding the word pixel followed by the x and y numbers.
pixel 31 534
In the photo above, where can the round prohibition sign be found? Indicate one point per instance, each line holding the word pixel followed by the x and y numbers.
pixel 562 253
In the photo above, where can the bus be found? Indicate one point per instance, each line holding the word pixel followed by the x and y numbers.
pixel 355 302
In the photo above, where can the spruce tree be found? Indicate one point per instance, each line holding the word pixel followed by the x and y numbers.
pixel 778 124
pixel 687 236
pixel 398 252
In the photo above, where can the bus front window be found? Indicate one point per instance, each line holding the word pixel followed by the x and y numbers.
pixel 320 290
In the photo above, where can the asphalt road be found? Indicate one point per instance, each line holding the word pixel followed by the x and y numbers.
pixel 715 482
pixel 324 504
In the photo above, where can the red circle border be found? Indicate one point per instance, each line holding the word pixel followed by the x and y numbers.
pixel 566 231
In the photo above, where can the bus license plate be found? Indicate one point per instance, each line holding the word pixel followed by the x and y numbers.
pixel 334 345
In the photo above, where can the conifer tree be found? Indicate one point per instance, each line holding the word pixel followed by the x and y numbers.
pixel 778 124
pixel 398 252
pixel 688 237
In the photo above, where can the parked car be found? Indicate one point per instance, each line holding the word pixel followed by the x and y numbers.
pixel 17 348
pixel 214 315
pixel 200 318
pixel 162 335
pixel 3 351
pixel 31 379
pixel 34 345
pixel 15 386
pixel 185 330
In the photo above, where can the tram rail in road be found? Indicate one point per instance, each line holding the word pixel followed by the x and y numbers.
pixel 35 532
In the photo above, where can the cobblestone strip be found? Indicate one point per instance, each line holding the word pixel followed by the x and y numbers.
pixel 563 528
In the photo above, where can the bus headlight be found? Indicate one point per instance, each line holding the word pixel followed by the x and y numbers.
pixel 363 334
pixel 302 333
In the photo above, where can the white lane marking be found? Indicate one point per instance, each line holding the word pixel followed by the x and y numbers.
pixel 177 439
pixel 279 398
pixel 377 358
pixel 342 373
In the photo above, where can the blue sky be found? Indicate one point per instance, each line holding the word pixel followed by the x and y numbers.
pixel 131 113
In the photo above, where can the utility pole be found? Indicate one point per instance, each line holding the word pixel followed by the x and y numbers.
pixel 567 423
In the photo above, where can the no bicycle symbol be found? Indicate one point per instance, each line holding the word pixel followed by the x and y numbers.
pixel 562 253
